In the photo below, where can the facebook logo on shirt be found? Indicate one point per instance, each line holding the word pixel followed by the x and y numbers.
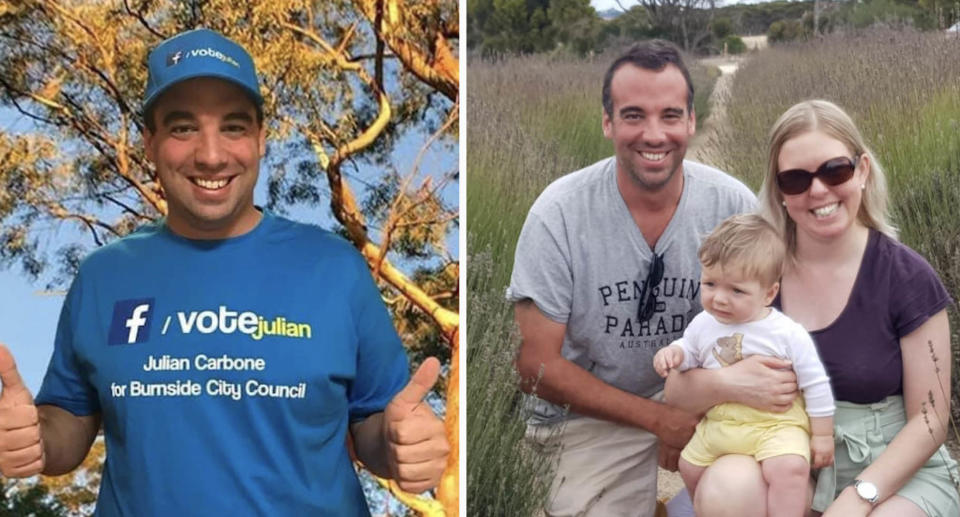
pixel 131 321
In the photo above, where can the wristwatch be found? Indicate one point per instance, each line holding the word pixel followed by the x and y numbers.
pixel 866 490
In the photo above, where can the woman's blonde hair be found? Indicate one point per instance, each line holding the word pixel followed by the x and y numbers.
pixel 828 118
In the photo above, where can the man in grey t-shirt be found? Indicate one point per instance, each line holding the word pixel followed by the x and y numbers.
pixel 605 274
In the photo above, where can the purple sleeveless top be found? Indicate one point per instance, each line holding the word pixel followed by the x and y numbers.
pixel 894 293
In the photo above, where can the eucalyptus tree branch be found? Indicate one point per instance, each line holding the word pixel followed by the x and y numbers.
pixel 139 16
pixel 60 212
pixel 126 208
pixel 428 222
pixel 393 218
pixel 442 72
pixel 424 506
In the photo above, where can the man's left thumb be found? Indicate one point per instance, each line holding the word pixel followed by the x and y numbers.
pixel 421 383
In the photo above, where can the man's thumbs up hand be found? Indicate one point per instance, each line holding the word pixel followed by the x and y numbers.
pixel 14 392
pixel 417 447
pixel 21 449
pixel 420 384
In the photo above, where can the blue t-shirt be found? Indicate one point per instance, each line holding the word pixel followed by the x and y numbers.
pixel 226 372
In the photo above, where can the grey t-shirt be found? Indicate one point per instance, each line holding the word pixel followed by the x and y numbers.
pixel 582 259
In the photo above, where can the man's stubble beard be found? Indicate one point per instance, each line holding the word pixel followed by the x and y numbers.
pixel 637 179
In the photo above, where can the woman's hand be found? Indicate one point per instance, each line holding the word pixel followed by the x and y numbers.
pixel 848 504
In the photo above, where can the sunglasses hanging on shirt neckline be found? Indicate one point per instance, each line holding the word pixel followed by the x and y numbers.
pixel 648 302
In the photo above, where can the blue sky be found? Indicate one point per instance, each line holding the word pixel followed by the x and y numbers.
pixel 28 320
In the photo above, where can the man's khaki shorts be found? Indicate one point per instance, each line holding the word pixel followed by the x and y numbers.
pixel 603 469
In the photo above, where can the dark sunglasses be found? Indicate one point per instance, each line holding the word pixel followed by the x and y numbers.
pixel 648 302
pixel 832 172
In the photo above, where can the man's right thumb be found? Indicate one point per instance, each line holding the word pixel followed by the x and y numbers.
pixel 14 390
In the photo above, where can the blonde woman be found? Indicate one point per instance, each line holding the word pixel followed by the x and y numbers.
pixel 877 312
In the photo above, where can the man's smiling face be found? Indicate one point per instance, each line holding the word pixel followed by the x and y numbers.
pixel 206 146
pixel 650 125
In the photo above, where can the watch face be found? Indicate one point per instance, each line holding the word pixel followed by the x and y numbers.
pixel 866 490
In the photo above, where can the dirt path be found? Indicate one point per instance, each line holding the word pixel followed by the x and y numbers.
pixel 704 143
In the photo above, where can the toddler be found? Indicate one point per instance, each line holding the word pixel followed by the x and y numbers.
pixel 741 263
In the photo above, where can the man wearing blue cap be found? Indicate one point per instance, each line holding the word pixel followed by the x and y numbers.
pixel 227 351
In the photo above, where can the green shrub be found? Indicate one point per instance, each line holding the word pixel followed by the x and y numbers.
pixel 722 27
pixel 775 31
pixel 734 45
pixel 782 31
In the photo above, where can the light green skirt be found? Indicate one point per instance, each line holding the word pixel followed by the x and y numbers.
pixel 862 432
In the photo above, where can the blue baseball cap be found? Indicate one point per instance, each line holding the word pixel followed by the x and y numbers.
pixel 199 53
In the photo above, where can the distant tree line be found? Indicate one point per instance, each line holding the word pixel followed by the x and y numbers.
pixel 922 15
pixel 498 27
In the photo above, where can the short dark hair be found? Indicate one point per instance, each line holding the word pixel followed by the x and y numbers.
pixel 652 55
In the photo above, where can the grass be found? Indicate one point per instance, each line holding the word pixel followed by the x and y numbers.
pixel 531 120
pixel 504 475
